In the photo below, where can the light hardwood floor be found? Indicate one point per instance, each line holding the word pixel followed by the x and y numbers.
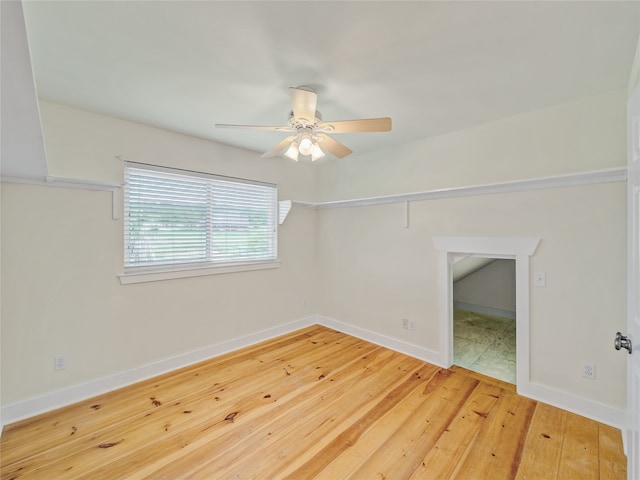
pixel 312 404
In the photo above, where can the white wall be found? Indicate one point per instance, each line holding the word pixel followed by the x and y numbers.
pixel 575 137
pixel 492 286
pixel 373 272
pixel 62 252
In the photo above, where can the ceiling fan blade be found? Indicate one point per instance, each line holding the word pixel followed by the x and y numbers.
pixel 353 126
pixel 304 103
pixel 256 127
pixel 332 146
pixel 279 147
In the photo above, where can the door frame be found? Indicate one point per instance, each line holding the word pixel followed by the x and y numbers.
pixel 631 430
pixel 516 248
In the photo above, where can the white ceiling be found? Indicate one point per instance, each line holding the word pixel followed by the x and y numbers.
pixel 433 67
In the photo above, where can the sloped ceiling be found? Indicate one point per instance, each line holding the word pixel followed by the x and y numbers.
pixel 464 266
pixel 433 67
pixel 22 150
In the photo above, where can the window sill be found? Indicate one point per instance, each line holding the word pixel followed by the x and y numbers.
pixel 169 274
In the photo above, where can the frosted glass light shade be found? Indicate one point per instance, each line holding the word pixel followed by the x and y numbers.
pixel 316 153
pixel 306 145
pixel 292 151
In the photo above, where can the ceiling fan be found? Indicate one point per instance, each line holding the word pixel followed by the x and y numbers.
pixel 310 136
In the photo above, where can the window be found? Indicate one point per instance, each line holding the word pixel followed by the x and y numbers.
pixel 178 219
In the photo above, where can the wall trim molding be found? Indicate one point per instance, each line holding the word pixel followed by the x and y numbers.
pixel 49 181
pixel 391 343
pixel 518 248
pixel 83 391
pixel 62 182
pixel 615 417
pixel 76 393
pixel 609 175
pixel 572 403
pixel 592 177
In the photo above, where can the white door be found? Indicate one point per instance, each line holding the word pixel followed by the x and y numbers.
pixel 631 345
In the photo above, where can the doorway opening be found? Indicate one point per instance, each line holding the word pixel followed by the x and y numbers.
pixel 484 316
pixel 514 248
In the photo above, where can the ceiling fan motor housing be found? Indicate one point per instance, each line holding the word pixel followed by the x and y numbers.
pixel 299 123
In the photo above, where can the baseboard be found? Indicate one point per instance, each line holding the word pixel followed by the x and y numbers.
pixel 496 312
pixel 76 393
pixel 401 346
pixel 566 401
pixel 615 417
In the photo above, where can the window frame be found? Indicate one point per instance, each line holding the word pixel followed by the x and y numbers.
pixel 149 273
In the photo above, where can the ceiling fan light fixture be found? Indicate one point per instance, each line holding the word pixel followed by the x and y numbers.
pixel 316 153
pixel 306 144
pixel 292 151
pixel 309 129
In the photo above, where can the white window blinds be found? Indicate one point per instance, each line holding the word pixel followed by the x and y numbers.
pixel 175 218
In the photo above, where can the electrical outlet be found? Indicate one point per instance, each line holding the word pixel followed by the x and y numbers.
pixel 589 370
pixel 412 324
pixel 405 323
pixel 59 362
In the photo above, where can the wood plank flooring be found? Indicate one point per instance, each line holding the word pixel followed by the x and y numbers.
pixel 315 403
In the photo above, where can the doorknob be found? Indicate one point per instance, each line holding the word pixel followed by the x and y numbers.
pixel 622 342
